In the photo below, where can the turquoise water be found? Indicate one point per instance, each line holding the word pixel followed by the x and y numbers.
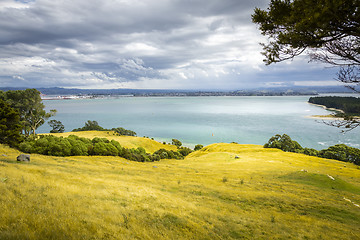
pixel 206 120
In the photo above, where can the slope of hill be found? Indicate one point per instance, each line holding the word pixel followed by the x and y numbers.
pixel 224 191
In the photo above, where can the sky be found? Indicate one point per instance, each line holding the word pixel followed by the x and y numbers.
pixel 142 44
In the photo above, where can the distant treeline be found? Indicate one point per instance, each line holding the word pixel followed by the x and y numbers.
pixel 350 105
pixel 339 152
pixel 94 126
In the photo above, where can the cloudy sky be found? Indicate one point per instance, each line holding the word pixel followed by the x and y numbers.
pixel 157 44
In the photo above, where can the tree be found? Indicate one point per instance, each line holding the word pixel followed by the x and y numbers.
pixel 329 30
pixel 57 126
pixel 29 104
pixel 123 132
pixel 176 142
pixel 90 126
pixel 198 147
pixel 10 127
pixel 283 142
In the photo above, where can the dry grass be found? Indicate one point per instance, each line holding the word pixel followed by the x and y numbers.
pixel 267 194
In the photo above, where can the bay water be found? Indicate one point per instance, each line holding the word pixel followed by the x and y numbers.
pixel 206 120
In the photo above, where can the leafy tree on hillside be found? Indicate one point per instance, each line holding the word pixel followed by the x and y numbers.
pixel 29 104
pixel 176 142
pixel 124 132
pixel 57 126
pixel 329 30
pixel 90 126
pixel 10 127
pixel 283 142
pixel 339 152
pixel 184 151
pixel 198 147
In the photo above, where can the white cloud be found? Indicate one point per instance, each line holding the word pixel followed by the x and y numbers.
pixel 317 83
pixel 139 43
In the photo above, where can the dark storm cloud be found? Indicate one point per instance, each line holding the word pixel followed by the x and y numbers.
pixel 123 43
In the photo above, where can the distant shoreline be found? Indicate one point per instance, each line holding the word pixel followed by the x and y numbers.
pixel 326 108
pixel 202 94
pixel 329 116
pixel 326 117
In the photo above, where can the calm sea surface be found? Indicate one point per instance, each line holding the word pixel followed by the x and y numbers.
pixel 206 120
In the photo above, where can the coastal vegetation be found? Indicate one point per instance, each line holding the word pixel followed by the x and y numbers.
pixel 339 152
pixel 349 105
pixel 347 111
pixel 94 126
pixel 265 193
pixel 80 146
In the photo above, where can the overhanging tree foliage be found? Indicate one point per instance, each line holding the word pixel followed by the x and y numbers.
pixel 327 30
pixel 29 104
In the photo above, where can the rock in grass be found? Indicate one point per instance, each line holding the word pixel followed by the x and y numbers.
pixel 237 157
pixel 23 158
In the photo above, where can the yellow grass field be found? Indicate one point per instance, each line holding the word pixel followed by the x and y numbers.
pixel 211 194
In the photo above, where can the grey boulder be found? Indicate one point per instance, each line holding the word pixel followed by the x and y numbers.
pixel 23 158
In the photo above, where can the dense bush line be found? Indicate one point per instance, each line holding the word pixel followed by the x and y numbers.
pixel 339 152
pixel 79 146
pixel 350 105
pixel 94 126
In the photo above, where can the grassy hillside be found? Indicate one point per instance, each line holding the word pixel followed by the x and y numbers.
pixel 126 141
pixel 262 194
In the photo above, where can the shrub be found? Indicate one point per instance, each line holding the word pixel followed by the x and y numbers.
pixel 342 152
pixel 123 132
pixel 155 157
pixel 311 152
pixel 26 146
pixel 41 146
pixel 117 145
pixel 78 147
pixel 176 142
pixel 59 147
pixel 105 149
pixel 284 143
pixel 198 147
pixel 185 151
pixel 168 154
pixel 90 126
pixel 339 152
pixel 164 155
pixel 140 150
pixel 74 145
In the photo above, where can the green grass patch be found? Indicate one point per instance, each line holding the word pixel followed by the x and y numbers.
pixel 321 181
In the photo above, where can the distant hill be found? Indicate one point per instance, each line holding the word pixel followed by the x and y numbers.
pixel 176 92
